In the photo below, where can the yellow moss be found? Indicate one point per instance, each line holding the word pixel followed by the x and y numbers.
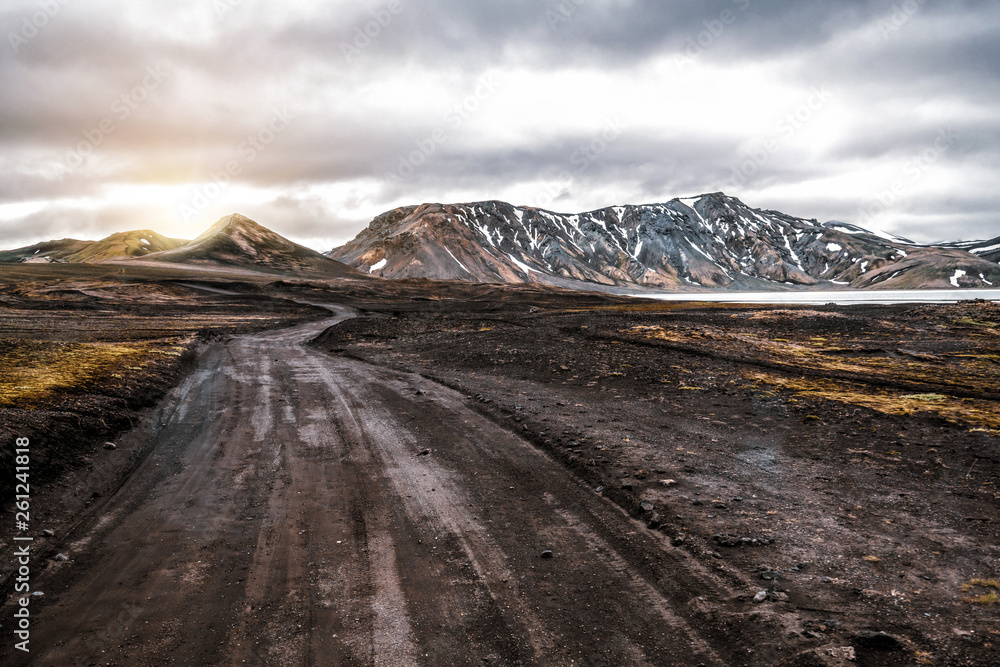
pixel 985 583
pixel 813 354
pixel 980 413
pixel 32 370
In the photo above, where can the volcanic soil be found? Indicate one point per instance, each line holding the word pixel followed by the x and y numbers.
pixel 366 472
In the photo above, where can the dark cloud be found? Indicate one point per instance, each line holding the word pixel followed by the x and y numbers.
pixel 79 111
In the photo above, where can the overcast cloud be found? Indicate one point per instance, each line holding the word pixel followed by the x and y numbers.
pixel 313 117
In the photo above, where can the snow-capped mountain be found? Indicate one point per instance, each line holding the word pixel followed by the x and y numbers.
pixel 712 241
pixel 988 250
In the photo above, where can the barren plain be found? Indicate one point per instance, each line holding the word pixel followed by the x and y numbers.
pixel 238 468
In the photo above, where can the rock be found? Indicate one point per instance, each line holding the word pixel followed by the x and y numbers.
pixel 48 533
pixel 654 521
pixel 546 554
pixel 760 597
pixel 667 482
pixel 38 594
pixel 425 452
pixel 726 540
pixel 730 540
pixel 826 580
pixel 877 641
pixel 677 540
pixel 778 596
pixel 645 507
pixel 842 653
pixel 110 445
pixel 62 558
pixel 627 484
pixel 769 575
pixel 696 502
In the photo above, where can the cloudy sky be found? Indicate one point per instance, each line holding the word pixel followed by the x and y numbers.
pixel 312 117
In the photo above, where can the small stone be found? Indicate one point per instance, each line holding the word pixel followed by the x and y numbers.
pixel 778 596
pixel 760 597
pixel 654 521
pixel 696 502
pixel 645 506
pixel 110 445
pixel 627 484
pixel 826 580
pixel 599 489
pixel 727 540
pixel 842 653
pixel 38 594
pixel 62 558
pixel 48 533
pixel 667 482
pixel 546 554
pixel 677 540
pixel 738 499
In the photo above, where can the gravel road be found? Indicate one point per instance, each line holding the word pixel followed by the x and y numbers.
pixel 300 508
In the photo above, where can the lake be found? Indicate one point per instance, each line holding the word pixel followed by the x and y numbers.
pixel 841 297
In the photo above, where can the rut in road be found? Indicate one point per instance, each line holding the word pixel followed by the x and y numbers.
pixel 290 515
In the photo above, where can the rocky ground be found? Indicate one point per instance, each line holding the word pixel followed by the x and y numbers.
pixel 837 466
pixel 473 474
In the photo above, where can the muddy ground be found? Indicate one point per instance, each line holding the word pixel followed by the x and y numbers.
pixel 857 486
pixel 467 474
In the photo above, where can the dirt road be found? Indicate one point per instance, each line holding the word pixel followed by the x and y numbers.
pixel 300 508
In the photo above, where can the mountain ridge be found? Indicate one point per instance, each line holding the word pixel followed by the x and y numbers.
pixel 234 240
pixel 707 241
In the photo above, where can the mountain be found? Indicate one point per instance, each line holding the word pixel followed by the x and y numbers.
pixel 236 240
pixel 126 244
pixel 123 244
pixel 46 251
pixel 988 250
pixel 712 241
